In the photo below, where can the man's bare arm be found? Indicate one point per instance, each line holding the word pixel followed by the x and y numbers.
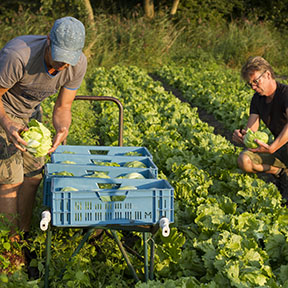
pixel 62 116
pixel 11 128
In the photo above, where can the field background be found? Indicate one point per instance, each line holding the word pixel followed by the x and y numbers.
pixel 177 76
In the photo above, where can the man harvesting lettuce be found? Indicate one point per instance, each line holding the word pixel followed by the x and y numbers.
pixel 33 67
pixel 269 104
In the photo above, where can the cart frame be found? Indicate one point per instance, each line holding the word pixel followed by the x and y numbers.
pixel 147 230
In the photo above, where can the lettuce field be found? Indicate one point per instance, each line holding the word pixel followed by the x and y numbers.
pixel 230 228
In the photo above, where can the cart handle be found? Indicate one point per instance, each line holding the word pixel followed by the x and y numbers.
pixel 107 98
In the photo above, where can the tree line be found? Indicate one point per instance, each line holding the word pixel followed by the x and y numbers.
pixel 198 11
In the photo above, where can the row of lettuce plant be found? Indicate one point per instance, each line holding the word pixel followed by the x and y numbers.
pixel 233 223
pixel 216 89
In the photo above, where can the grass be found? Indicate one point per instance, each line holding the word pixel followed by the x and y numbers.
pixel 116 40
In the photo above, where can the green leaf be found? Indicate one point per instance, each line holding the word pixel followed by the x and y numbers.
pixel 6 246
pixel 284 273
pixel 79 275
pixel 4 278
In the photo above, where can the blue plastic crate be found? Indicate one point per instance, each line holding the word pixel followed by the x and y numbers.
pixel 82 159
pixel 86 170
pixel 104 150
pixel 93 206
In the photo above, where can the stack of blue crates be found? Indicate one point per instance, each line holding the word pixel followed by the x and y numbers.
pixel 79 200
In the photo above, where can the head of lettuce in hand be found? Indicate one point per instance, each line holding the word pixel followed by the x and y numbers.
pixel 250 137
pixel 38 138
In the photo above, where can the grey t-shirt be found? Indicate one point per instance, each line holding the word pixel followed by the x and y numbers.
pixel 24 72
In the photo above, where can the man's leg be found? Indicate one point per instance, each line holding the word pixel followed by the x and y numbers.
pixel 11 177
pixel 8 204
pixel 26 199
pixel 248 165
pixel 254 163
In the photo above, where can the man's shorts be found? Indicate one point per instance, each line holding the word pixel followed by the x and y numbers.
pixel 14 164
pixel 277 159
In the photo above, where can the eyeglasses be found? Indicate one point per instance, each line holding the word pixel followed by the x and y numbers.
pixel 255 81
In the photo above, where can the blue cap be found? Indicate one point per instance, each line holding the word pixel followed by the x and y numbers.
pixel 67 40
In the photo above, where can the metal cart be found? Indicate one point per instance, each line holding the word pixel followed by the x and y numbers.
pixel 107 208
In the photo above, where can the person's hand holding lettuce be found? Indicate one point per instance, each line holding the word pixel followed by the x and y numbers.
pixel 38 138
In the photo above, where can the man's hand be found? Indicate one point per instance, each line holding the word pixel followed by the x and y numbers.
pixel 58 139
pixel 238 135
pixel 13 131
pixel 263 147
pixel 62 116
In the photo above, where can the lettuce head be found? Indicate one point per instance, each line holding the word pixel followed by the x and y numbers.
pixel 38 138
pixel 135 164
pixel 134 175
pixel 250 137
